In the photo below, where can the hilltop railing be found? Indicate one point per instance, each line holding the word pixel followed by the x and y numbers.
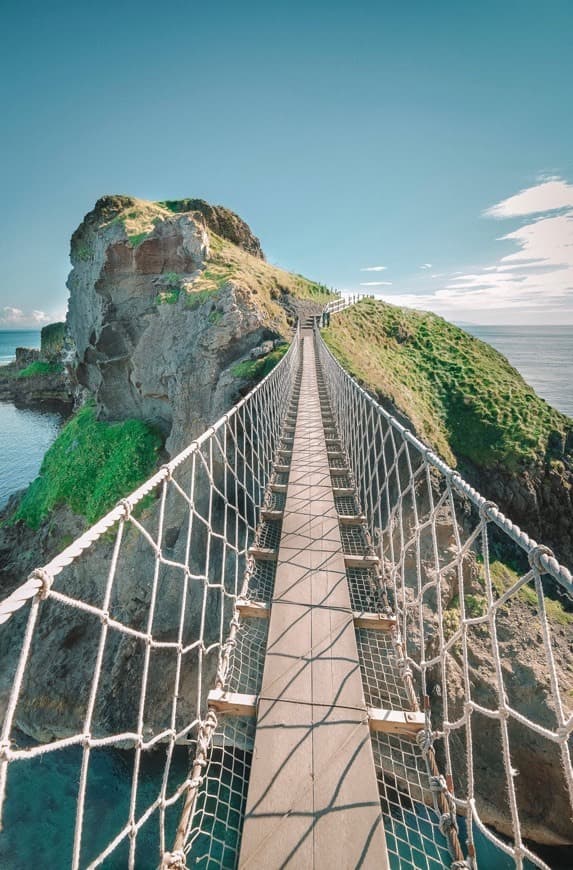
pixel 345 302
pixel 480 634
pixel 123 633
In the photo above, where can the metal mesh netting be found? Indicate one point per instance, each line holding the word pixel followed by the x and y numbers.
pixel 116 642
pixel 483 635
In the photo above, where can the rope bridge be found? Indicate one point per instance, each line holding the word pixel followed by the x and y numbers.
pixel 149 634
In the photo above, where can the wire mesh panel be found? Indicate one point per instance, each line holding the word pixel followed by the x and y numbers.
pixel 113 646
pixel 485 636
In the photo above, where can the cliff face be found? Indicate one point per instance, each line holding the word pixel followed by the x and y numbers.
pixel 153 343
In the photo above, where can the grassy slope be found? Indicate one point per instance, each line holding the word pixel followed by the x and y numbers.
pixel 227 262
pixel 90 466
pixel 462 396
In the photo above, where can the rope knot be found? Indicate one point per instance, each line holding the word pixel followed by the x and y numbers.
pixel 535 557
pixel 46 579
pixel 127 508
pixel 173 861
pixel 447 823
pixel 460 865
pixel 486 508
pixel 404 668
pixel 438 784
pixel 424 739
pixel 168 471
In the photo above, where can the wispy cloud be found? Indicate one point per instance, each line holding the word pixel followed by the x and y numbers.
pixel 534 282
pixel 376 284
pixel 373 268
pixel 12 316
pixel 425 266
pixel 550 195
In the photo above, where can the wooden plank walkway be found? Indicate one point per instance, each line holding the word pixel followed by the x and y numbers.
pixel 313 799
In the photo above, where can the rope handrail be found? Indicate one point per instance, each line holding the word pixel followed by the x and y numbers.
pixel 543 555
pixel 455 568
pixel 149 594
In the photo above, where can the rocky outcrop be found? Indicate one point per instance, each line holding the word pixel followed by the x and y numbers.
pixel 222 221
pixel 157 328
pixel 149 344
pixel 37 380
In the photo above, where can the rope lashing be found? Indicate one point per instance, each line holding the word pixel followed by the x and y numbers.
pixel 174 861
pixel 535 557
pixel 486 508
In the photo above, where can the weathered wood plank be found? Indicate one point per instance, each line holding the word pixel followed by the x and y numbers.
pixel 376 621
pixel 401 722
pixel 313 798
pixel 252 609
pixel 232 703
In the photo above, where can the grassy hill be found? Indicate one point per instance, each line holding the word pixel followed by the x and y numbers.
pixel 461 395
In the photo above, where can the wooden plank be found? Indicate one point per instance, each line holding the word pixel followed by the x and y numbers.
pixel 376 621
pixel 313 797
pixel 278 487
pixel 351 519
pixel 252 609
pixel 401 722
pixel 352 561
pixel 271 515
pixel 342 490
pixel 264 554
pixel 232 703
pixel 280 468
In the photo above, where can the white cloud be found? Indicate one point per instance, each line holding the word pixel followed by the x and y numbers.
pixel 376 284
pixel 533 283
pixel 549 195
pixel 425 266
pixel 374 269
pixel 11 316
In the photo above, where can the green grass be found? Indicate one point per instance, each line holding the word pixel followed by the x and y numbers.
pixel 257 369
pixel 39 367
pixel 90 465
pixel 137 239
pixel 503 577
pixel 199 297
pixel 215 317
pixel 168 297
pixel 461 395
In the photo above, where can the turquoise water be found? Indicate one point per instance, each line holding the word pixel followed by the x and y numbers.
pixel 39 815
pixel 42 799
pixel 25 433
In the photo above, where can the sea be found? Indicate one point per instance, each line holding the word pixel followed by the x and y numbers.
pixel 25 433
pixel 42 800
pixel 542 354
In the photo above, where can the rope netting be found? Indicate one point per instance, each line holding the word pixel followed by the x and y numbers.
pixel 482 646
pixel 109 652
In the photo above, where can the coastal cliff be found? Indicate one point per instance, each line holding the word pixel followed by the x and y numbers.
pixel 173 314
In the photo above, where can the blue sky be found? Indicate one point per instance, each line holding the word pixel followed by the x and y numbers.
pixel 348 135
